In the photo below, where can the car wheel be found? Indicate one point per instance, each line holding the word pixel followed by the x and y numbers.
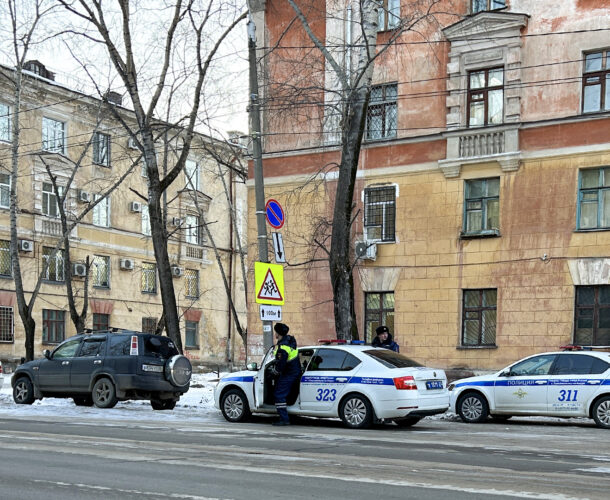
pixel 83 401
pixel 473 408
pixel 163 404
pixel 601 412
pixel 104 394
pixel 407 421
pixel 234 406
pixel 23 392
pixel 500 418
pixel 356 412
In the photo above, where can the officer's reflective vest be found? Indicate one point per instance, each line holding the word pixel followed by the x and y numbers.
pixel 292 353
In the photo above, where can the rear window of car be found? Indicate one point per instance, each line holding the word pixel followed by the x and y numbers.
pixel 159 347
pixel 391 359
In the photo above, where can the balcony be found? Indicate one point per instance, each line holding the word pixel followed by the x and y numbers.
pixel 194 252
pixel 51 227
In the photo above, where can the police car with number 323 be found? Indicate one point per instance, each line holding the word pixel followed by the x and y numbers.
pixel 358 383
pixel 569 383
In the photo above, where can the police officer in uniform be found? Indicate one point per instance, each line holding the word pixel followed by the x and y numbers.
pixel 287 369
pixel 384 339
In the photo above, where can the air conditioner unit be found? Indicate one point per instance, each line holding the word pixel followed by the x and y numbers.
pixel 135 206
pixel 131 143
pixel 177 221
pixel 126 264
pixel 84 197
pixel 366 250
pixel 79 269
pixel 26 245
pixel 177 272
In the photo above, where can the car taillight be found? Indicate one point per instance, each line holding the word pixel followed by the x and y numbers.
pixel 405 383
pixel 134 346
pixel 0 369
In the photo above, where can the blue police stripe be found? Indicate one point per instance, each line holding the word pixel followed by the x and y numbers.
pixel 238 379
pixel 313 379
pixel 533 382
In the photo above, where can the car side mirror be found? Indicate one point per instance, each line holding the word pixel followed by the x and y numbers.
pixel 46 353
pixel 505 373
pixel 252 366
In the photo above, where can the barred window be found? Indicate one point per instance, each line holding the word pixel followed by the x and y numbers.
pixel 50 201
pixel 101 211
pixel 592 311
pixel 53 135
pixel 5 122
pixel 5 190
pixel 5 258
pixel 479 317
pixel 192 282
pixel 101 271
pixel 378 310
pixel 191 329
pixel 7 325
pixel 53 326
pixel 55 270
pixel 380 213
pixel 149 277
pixel 101 149
pixel 486 97
pixel 101 322
pixel 149 325
pixel 382 112
pixel 481 205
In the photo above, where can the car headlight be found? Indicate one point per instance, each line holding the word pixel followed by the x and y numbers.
pixel 450 387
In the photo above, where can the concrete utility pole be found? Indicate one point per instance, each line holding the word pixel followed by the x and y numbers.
pixel 257 155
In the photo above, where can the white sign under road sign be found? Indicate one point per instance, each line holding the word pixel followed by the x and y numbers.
pixel 278 247
pixel 266 328
pixel 270 313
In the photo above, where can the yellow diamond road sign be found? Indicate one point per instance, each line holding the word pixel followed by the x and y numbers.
pixel 269 283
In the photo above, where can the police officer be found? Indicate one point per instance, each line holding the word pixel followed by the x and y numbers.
pixel 287 369
pixel 384 339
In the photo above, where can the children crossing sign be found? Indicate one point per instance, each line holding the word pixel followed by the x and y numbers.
pixel 269 283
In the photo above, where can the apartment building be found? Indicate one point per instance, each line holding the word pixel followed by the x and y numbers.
pixel 66 133
pixel 483 191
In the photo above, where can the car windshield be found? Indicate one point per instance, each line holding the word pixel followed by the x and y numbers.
pixel 391 359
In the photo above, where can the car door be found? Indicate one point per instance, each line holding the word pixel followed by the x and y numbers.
pixel 89 359
pixel 523 387
pixel 574 379
pixel 54 372
pixel 263 389
pixel 326 377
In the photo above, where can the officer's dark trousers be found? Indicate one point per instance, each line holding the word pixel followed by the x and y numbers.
pixel 282 389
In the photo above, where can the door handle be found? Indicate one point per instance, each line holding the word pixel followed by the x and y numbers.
pixel 341 379
pixel 65 362
pixel 97 362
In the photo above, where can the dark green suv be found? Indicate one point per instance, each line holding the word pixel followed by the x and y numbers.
pixel 103 368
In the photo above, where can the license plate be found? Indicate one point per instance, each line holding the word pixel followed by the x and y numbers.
pixel 434 384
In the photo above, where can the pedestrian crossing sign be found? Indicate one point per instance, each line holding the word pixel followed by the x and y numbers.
pixel 269 283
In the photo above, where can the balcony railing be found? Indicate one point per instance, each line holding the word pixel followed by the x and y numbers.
pixel 482 144
pixel 51 227
pixel 194 252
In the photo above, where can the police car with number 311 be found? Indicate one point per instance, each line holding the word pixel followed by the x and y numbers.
pixel 358 383
pixel 570 383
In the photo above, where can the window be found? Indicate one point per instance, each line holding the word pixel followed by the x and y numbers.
pixel 119 345
pixel 53 136
pixel 596 82
pixel 93 347
pixel 483 5
pixel 578 364
pixel 101 149
pixel 101 211
pixel 379 310
pixel 389 14
pixel 191 170
pixel 192 282
pixel 191 330
pixel 6 268
pixel 380 213
pixel 67 350
pixel 5 122
pixel 54 327
pixel 101 322
pixel 479 317
pixel 5 190
pixel 149 277
pixel 485 97
pixel 332 359
pixel 592 321
pixel 537 365
pixel 54 264
pixel 594 199
pixel 482 206
pixel 50 203
pixel 391 359
pixel 101 271
pixel 149 325
pixel 145 220
pixel 7 325
pixel 192 230
pixel 382 112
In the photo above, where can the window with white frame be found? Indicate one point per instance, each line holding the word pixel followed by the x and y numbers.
pixel 483 5
pixel 389 14
pixel 380 213
pixel 5 122
pixel 101 211
pixel 101 271
pixel 55 270
pixel 192 282
pixel 191 336
pixel 145 220
pixel 482 206
pixel 7 325
pixel 381 115
pixel 101 149
pixel 596 82
pixel 5 258
pixel 53 135
pixel 192 172
pixel 5 190
pixel 50 203
pixel 192 230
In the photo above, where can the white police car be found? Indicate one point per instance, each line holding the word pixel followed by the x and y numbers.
pixel 559 384
pixel 358 383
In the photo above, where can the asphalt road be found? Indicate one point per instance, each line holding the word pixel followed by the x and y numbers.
pixel 69 459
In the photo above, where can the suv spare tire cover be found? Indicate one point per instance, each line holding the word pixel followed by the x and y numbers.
pixel 178 370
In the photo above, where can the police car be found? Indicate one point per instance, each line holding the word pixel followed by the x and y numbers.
pixel 569 383
pixel 358 383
